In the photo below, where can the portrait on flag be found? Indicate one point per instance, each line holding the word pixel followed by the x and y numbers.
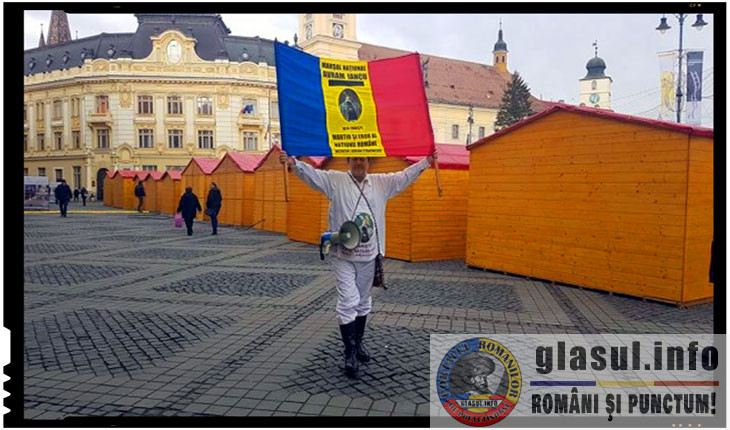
pixel 340 108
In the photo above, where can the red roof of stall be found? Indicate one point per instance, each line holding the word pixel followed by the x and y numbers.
pixel 245 161
pixel 206 164
pixel 602 113
pixel 128 173
pixel 155 175
pixel 175 175
pixel 451 156
pixel 142 175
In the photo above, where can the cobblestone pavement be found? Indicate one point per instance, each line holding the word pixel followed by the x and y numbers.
pixel 126 315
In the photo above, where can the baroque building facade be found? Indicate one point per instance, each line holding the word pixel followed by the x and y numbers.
pixel 182 86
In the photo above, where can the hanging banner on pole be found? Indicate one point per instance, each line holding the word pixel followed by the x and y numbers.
pixel 340 108
pixel 668 85
pixel 694 88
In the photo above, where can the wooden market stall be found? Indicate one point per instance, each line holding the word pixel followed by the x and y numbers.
pixel 419 225
pixel 122 186
pixel 598 199
pixel 269 204
pixel 169 190
pixel 109 188
pixel 197 175
pixel 234 176
pixel 150 187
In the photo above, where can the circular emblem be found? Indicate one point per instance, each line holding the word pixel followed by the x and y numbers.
pixel 479 382
pixel 365 224
pixel 174 53
pixel 350 105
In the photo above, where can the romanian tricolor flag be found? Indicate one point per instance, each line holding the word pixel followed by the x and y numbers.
pixel 339 108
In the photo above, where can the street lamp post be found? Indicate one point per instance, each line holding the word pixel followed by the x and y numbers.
pixel 663 27
pixel 470 120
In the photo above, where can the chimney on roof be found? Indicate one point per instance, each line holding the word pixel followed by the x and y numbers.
pixel 42 41
pixel 59 30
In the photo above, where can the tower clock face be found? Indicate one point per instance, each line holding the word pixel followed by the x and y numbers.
pixel 594 98
pixel 338 31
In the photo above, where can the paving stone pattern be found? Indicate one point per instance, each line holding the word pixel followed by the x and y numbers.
pixel 240 284
pixel 58 273
pixel 127 316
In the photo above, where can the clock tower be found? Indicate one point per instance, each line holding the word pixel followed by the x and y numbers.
pixel 329 35
pixel 595 87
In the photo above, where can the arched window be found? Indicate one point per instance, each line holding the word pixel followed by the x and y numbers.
pixel 594 85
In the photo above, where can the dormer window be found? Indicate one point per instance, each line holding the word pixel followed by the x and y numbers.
pixel 83 54
pixel 49 61
pixel 66 57
pixel 31 63
pixel 111 51
pixel 244 55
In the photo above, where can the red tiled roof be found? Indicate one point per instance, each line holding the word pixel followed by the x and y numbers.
pixel 603 113
pixel 247 162
pixel 451 156
pixel 453 81
pixel 206 164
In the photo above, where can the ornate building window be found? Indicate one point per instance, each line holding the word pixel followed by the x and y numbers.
pixel 145 105
pixel 205 105
pixel 250 107
pixel 102 138
pixel 149 167
pixel 338 15
pixel 41 171
pixel 76 138
pixel 481 132
pixel 594 85
pixel 205 139
pixel 25 112
pixel 169 167
pixel 250 141
pixel 57 109
pixel 39 109
pixel 59 174
pixel 75 107
pixel 77 176
pixel 455 131
pixel 146 138
pixel 25 171
pixel 58 140
pixel 274 109
pixel 41 143
pixel 102 104
pixel 25 143
pixel 175 138
pixel 174 105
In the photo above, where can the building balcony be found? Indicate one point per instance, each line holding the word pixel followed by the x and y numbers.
pixel 249 119
pixel 99 118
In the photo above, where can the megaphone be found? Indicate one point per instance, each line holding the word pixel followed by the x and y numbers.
pixel 348 236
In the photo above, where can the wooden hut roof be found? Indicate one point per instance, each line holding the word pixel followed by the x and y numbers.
pixel 206 164
pixel 451 156
pixel 155 175
pixel 247 162
pixel 111 173
pixel 689 129
pixel 142 175
pixel 127 173
pixel 175 175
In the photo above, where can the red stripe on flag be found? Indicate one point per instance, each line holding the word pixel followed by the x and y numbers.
pixel 686 383
pixel 400 100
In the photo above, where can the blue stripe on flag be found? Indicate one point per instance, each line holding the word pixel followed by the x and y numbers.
pixel 301 103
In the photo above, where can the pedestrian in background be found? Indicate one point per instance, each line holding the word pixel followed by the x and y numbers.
pixel 213 205
pixel 140 194
pixel 63 196
pixel 76 194
pixel 83 193
pixel 189 206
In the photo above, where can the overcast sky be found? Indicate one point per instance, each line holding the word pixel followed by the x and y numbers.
pixel 549 51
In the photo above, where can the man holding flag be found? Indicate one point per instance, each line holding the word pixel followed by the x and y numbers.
pixel 351 193
pixel 354 109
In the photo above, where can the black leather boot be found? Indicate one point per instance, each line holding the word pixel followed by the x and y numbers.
pixel 348 338
pixel 360 352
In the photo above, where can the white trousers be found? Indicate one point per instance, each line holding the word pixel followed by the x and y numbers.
pixel 354 280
